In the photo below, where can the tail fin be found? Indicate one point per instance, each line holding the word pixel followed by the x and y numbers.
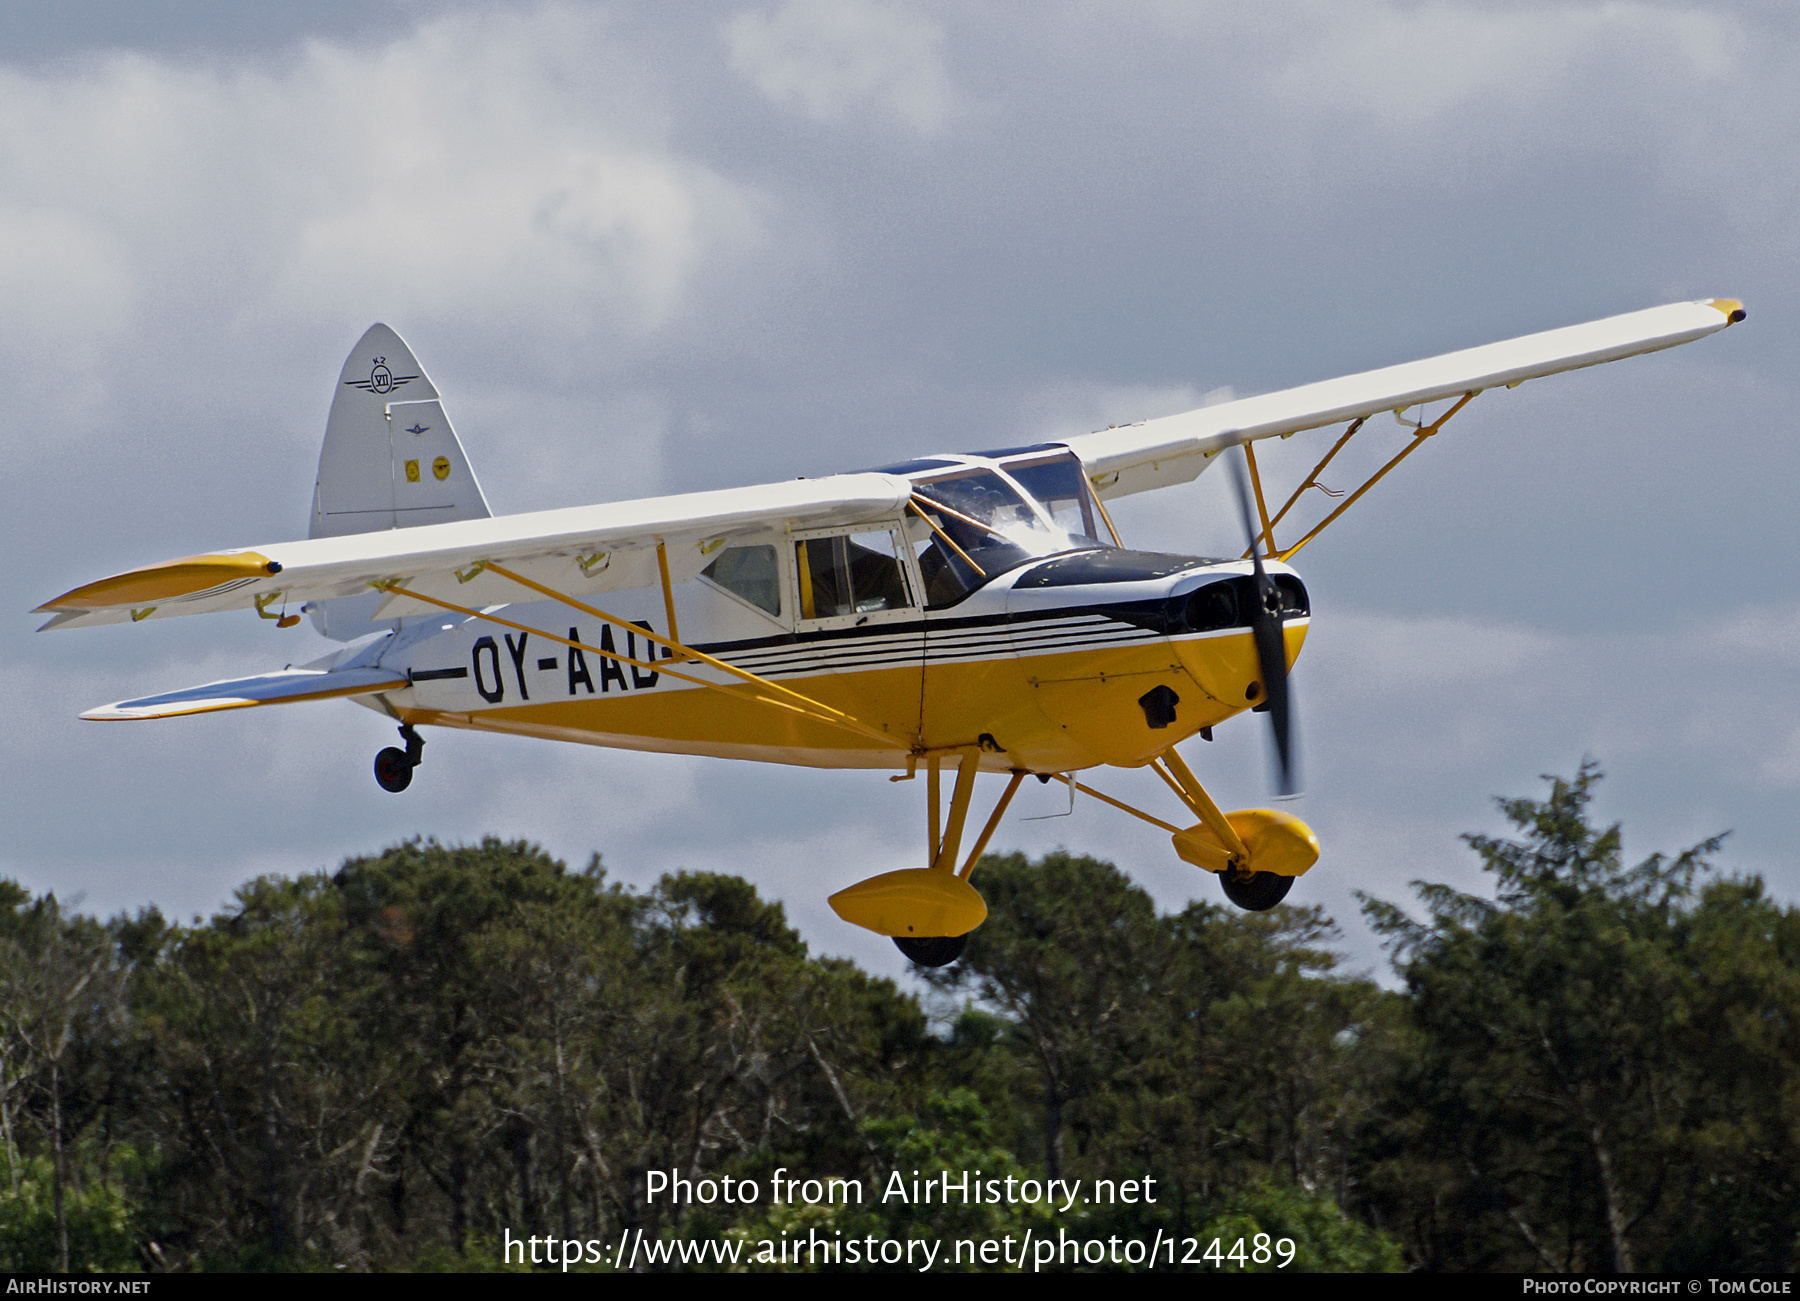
pixel 390 461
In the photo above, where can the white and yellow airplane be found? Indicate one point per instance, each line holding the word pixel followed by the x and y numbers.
pixel 978 609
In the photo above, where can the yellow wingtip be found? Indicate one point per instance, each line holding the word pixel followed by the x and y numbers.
pixel 167 581
pixel 1733 309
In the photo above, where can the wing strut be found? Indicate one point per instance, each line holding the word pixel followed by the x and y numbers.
pixel 1312 480
pixel 683 652
pixel 807 707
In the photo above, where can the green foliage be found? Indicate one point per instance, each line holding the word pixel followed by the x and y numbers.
pixel 437 1045
pixel 902 1193
pixel 1324 1239
pixel 101 1234
pixel 64 1052
pixel 402 1063
pixel 1579 1097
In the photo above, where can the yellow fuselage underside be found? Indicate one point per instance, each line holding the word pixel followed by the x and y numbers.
pixel 1054 712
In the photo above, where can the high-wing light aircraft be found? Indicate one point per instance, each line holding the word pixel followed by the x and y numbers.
pixel 972 610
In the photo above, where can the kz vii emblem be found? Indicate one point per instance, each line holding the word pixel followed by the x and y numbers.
pixel 381 379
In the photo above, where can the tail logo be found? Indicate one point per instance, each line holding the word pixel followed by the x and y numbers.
pixel 381 379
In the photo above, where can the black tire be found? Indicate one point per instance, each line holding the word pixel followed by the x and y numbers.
pixel 1258 892
pixel 393 770
pixel 932 950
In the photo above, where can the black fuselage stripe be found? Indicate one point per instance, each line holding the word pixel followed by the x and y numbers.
pixel 932 628
pixel 826 660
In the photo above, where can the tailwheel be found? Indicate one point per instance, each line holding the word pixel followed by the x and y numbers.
pixel 394 766
pixel 1255 891
pixel 932 950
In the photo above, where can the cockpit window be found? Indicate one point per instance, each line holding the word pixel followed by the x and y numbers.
pixel 749 573
pixel 970 523
pixel 983 497
pixel 968 528
pixel 976 525
pixel 1060 486
pixel 850 574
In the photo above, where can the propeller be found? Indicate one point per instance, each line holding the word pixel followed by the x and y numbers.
pixel 1271 647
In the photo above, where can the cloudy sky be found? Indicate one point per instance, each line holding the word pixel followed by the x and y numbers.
pixel 657 248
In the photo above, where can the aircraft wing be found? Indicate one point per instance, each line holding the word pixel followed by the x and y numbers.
pixel 1174 449
pixel 582 550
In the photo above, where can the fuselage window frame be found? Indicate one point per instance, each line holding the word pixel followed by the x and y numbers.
pixel 804 565
pixel 780 616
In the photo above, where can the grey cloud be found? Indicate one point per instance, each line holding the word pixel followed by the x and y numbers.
pixel 830 58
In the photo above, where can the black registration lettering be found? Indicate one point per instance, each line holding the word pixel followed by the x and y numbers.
pixel 578 669
pixel 496 693
pixel 518 659
pixel 609 667
pixel 639 678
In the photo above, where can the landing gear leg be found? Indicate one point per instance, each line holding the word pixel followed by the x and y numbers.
pixel 394 766
pixel 916 906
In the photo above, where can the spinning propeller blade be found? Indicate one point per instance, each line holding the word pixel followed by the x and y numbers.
pixel 1271 648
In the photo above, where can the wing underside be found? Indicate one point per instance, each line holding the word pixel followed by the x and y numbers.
pixel 1175 449
pixel 580 551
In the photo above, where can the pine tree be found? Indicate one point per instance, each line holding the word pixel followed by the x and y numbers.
pixel 1575 1100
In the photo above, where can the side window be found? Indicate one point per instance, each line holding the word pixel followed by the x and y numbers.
pixel 749 573
pixel 944 564
pixel 850 574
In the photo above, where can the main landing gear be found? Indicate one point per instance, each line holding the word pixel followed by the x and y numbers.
pixel 933 950
pixel 1255 892
pixel 929 911
pixel 1256 853
pixel 394 766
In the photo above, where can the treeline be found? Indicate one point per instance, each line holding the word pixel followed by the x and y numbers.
pixel 402 1063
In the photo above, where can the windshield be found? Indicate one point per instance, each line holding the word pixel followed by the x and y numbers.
pixel 1058 484
pixel 973 524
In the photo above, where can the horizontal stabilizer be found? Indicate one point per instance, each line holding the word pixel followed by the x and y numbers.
pixel 241 693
